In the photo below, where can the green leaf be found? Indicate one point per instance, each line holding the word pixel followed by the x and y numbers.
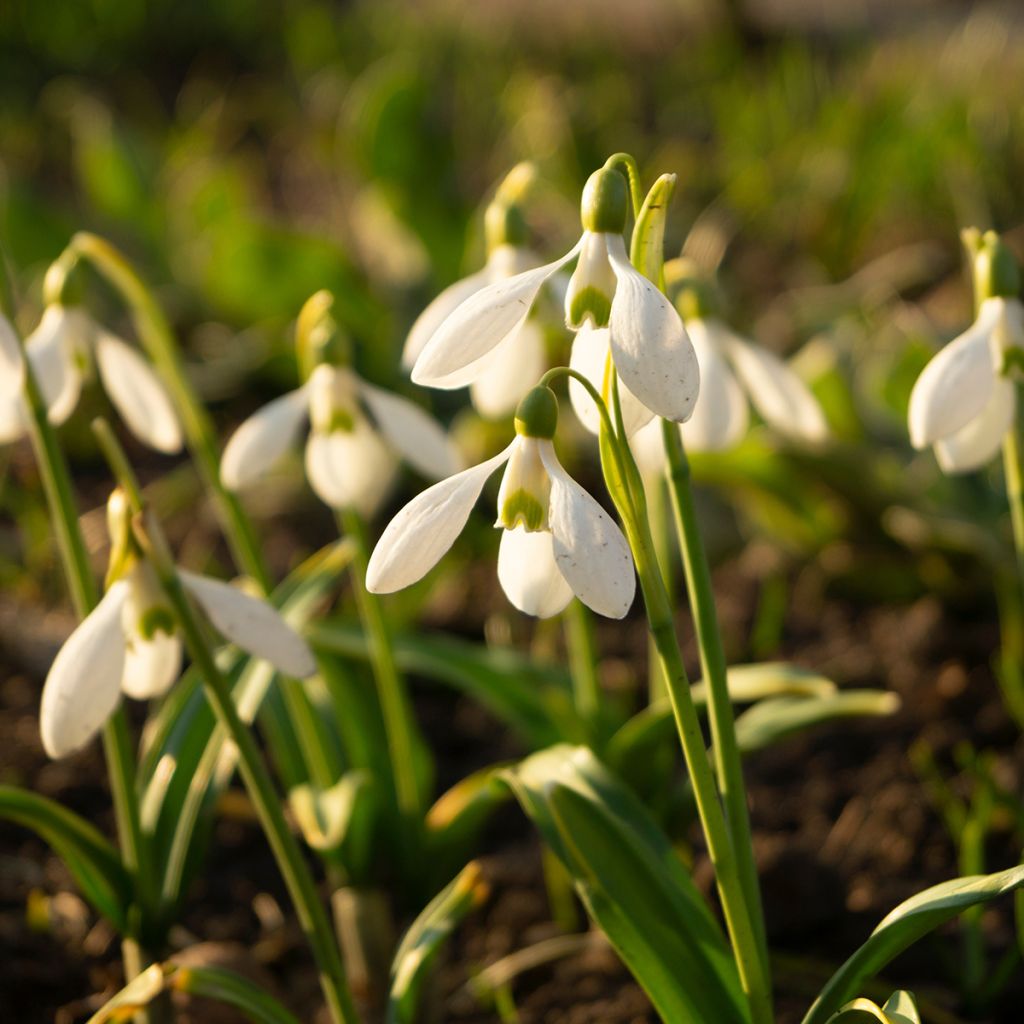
pixel 534 700
pixel 899 1008
pixel 325 815
pixel 903 927
pixel 633 884
pixel 92 861
pixel 425 937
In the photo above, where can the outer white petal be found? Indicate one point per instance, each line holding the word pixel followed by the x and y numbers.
pixel 422 532
pixel 437 312
pixel 513 368
pixel 651 349
pixel 778 394
pixel 977 443
pixel 414 433
pixel 84 682
pixel 350 470
pixel 138 394
pixel 13 418
pixel 590 350
pixel 263 438
pixel 529 574
pixel 956 385
pixel 150 666
pixel 591 552
pixel 452 357
pixel 251 623
pixel 12 363
pixel 721 417
pixel 56 350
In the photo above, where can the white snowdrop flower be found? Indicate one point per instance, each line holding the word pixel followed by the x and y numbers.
pixel 358 435
pixel 649 345
pixel 556 539
pixel 130 643
pixel 60 351
pixel 965 400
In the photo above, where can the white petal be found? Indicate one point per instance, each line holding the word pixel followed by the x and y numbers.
pixel 150 666
pixel 138 394
pixel 955 386
pixel 720 419
pixel 422 532
pixel 649 449
pixel 529 574
pixel 451 359
pixel 974 445
pixel 56 350
pixel 12 363
pixel 263 438
pixel 437 312
pixel 84 683
pixel 252 624
pixel 591 552
pixel 350 469
pixel 650 346
pixel 512 369
pixel 784 401
pixel 13 418
pixel 413 432
pixel 590 350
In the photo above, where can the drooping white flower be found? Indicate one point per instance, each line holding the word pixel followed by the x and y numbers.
pixel 652 353
pixel 60 351
pixel 556 539
pixel 130 644
pixel 964 401
pixel 359 433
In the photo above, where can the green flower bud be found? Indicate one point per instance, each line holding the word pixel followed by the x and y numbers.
pixel 605 202
pixel 537 414
pixel 504 224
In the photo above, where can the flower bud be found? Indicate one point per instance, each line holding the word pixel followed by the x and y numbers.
pixel 504 224
pixel 605 202
pixel 537 414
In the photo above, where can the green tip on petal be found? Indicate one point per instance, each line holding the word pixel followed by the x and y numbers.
pixel 996 271
pixel 605 202
pixel 537 414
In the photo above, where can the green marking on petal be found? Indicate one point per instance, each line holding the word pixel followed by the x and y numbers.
pixel 157 619
pixel 523 509
pixel 590 302
pixel 1012 362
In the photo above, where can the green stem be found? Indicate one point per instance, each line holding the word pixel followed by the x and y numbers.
pixel 297 876
pixel 1013 467
pixel 627 165
pixel 661 528
pixel 158 339
pixel 582 647
pixel 395 704
pixel 728 762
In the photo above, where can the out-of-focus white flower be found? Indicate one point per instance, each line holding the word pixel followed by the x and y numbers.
pixel 650 348
pixel 60 351
pixel 964 401
pixel 130 644
pixel 556 539
pixel 359 433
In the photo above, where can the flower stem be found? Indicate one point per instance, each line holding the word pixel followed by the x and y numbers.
pixel 297 876
pixel 626 164
pixel 1011 593
pixel 395 704
pixel 728 763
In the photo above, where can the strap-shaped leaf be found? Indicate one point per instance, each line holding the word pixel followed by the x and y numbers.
pixel 92 861
pixel 633 884
pixel 423 941
pixel 903 927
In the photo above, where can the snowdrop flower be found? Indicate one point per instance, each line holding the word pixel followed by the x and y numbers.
pixel 60 351
pixel 512 368
pixel 359 433
pixel 649 345
pixel 130 642
pixel 556 539
pixel 12 363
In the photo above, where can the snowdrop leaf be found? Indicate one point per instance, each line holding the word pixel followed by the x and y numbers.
pixel 453 356
pixel 956 385
pixel 350 469
pixel 437 312
pixel 413 433
pixel 651 349
pixel 262 439
pixel 423 531
pixel 590 349
pixel 84 683
pixel 591 552
pixel 720 418
pixel 979 441
pixel 529 574
pixel 252 623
